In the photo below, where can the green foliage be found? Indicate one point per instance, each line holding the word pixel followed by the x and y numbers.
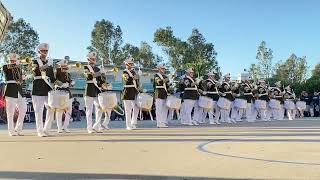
pixel 254 71
pixel 195 52
pixel 315 73
pixel 106 40
pixel 264 57
pixel 293 70
pixel 20 38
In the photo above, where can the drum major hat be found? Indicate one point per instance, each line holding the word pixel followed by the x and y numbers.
pixel 161 66
pixel 189 70
pixel 43 46
pixel 129 61
pixel 91 55
pixel 13 57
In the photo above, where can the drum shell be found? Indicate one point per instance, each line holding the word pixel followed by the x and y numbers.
pixel 274 104
pixel 144 101
pixel 301 105
pixel 260 104
pixel 107 100
pixel 205 102
pixel 173 102
pixel 58 99
pixel 240 103
pixel 289 105
pixel 224 103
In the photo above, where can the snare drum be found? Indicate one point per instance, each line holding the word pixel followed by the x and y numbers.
pixel 107 100
pixel 260 104
pixel 205 102
pixel 301 105
pixel 144 101
pixel 274 104
pixel 224 103
pixel 240 103
pixel 289 105
pixel 58 99
pixel 173 102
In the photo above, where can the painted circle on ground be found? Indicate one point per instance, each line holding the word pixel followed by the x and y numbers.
pixel 286 151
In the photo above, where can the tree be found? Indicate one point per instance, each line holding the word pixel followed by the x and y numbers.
pixel 315 73
pixel 146 56
pixel 143 54
pixel 21 39
pixel 254 71
pixel 106 40
pixel 195 52
pixel 293 70
pixel 264 57
pixel 129 50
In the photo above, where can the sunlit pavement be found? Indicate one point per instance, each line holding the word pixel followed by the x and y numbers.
pixel 260 150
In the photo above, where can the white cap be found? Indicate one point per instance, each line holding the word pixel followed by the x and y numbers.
pixel 161 66
pixel 189 70
pixel 130 60
pixel 211 73
pixel 13 57
pixel 92 55
pixel 43 46
pixel 63 62
pixel 228 75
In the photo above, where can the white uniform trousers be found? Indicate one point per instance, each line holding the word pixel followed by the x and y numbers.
pixel 237 113
pixel 291 113
pixel 225 115
pixel 67 116
pixel 183 113
pixel 161 112
pixel 131 112
pixel 39 102
pixel 277 114
pixel 263 113
pixel 250 114
pixel 190 104
pixel 89 102
pixel 213 113
pixel 11 105
pixel 106 121
pixel 202 114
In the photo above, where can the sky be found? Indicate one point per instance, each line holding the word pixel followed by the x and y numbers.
pixel 235 27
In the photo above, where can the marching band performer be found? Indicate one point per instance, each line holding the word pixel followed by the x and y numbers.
pixel 129 93
pixel 289 98
pixel 263 97
pixel 161 85
pixel 190 98
pixel 226 92
pixel 212 92
pixel 63 83
pixel 277 95
pixel 248 88
pixel 14 95
pixel 240 102
pixel 92 73
pixel 43 77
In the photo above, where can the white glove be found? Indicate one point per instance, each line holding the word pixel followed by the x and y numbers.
pixel 65 85
pixel 204 92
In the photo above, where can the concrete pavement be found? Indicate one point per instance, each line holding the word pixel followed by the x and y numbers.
pixel 261 150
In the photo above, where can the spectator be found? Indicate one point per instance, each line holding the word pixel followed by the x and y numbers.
pixel 76 114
